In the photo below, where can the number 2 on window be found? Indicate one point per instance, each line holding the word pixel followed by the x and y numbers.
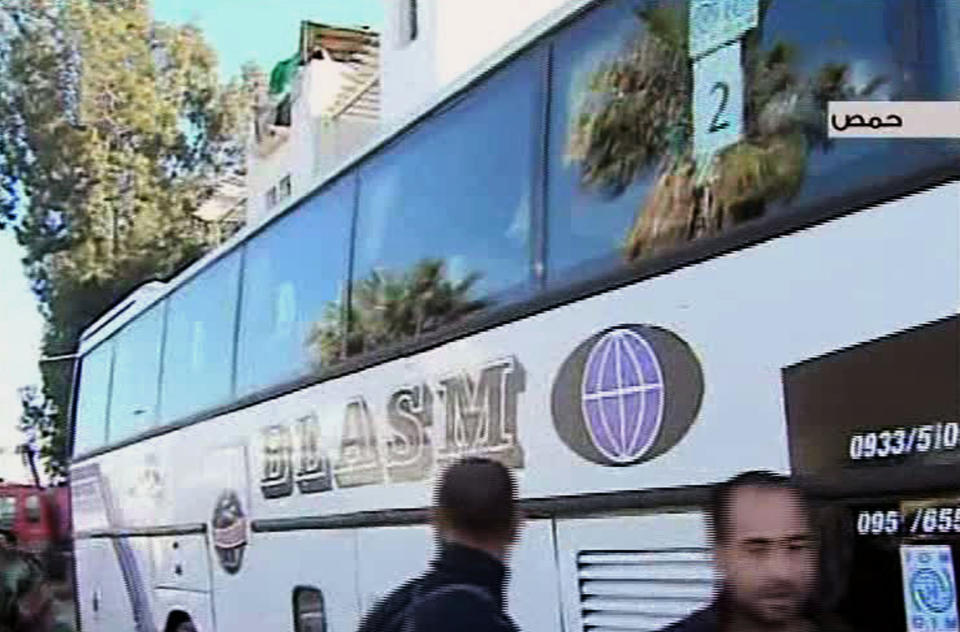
pixel 716 124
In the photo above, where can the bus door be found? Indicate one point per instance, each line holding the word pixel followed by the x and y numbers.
pixel 874 430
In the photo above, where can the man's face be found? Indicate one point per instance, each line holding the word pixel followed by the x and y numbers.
pixel 768 560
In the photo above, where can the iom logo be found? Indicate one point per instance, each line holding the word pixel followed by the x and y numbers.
pixel 627 395
pixel 931 590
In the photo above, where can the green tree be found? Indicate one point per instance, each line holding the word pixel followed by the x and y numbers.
pixel 389 308
pixel 636 117
pixel 113 129
pixel 37 421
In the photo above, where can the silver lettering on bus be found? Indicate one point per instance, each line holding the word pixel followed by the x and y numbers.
pixel 359 460
pixel 277 478
pixel 409 449
pixel 480 416
pixel 313 470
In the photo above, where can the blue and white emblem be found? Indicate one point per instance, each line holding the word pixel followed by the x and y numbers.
pixel 930 590
pixel 627 394
pixel 622 395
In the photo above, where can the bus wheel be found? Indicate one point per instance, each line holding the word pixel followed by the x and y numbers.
pixel 179 622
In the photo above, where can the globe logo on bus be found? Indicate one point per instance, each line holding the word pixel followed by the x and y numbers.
pixel 622 395
pixel 931 590
pixel 229 531
pixel 627 394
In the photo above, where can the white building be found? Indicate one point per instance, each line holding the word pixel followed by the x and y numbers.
pixel 352 83
pixel 329 111
pixel 427 44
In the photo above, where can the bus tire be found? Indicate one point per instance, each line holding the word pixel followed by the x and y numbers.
pixel 179 621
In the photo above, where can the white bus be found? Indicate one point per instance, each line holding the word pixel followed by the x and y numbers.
pixel 557 264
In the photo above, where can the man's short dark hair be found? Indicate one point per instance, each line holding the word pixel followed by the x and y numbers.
pixel 477 496
pixel 722 494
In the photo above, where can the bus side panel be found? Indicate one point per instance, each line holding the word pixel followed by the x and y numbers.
pixel 388 557
pixel 261 594
pixel 195 604
pixel 88 560
pixel 533 591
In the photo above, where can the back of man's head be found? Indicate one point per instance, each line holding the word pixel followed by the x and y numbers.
pixel 477 500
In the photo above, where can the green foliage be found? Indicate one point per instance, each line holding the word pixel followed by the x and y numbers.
pixel 637 106
pixel 389 308
pixel 113 129
pixel 40 421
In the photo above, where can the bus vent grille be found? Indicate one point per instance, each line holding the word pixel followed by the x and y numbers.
pixel 642 591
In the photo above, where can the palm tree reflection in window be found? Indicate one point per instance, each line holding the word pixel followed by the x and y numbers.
pixel 637 117
pixel 387 308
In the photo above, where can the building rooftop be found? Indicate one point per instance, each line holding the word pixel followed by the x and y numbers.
pixel 358 48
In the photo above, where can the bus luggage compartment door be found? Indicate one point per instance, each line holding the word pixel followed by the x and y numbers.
pixel 181 562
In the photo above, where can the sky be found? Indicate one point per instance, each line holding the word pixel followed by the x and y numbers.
pixel 264 31
pixel 21 328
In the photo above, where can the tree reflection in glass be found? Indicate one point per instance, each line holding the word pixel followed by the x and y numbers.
pixel 387 308
pixel 636 116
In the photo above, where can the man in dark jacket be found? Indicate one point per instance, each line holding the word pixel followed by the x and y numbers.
pixel 476 521
pixel 767 557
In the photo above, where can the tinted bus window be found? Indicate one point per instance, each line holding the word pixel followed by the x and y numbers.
pixel 622 182
pixel 866 50
pixel 136 372
pixel 294 273
pixel 586 224
pixel 444 215
pixel 92 400
pixel 198 345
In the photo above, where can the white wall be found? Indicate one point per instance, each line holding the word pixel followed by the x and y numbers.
pixel 299 154
pixel 454 36
pixel 408 69
pixel 337 140
pixel 472 31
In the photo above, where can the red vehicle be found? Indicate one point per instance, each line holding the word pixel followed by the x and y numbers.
pixel 37 520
